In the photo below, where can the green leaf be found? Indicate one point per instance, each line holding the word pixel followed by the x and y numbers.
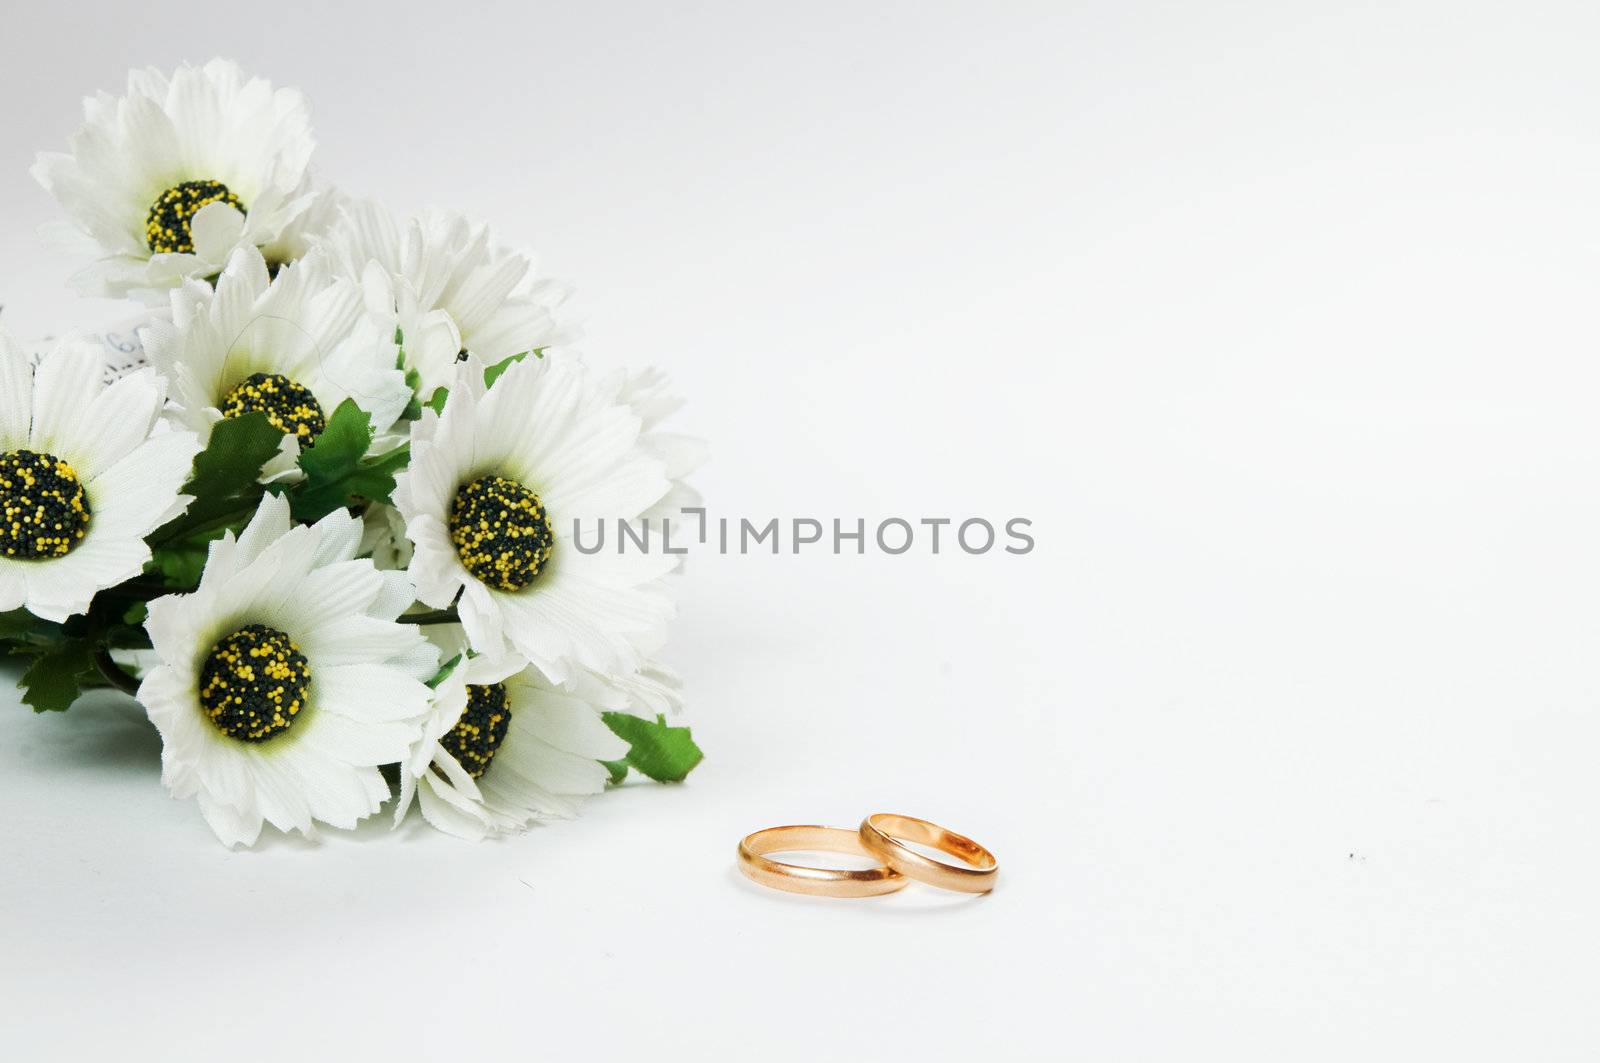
pixel 223 480
pixel 233 457
pixel 179 562
pixel 23 625
pixel 180 565
pixel 665 754
pixel 618 770
pixel 338 472
pixel 413 410
pixel 437 399
pixel 341 445
pixel 374 480
pixel 491 374
pixel 51 683
pixel 23 633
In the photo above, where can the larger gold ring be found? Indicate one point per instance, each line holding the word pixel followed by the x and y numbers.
pixel 816 881
pixel 880 834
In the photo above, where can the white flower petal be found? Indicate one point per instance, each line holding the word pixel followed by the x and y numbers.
pixel 279 792
pixel 216 230
pixel 64 387
pixel 340 538
pixel 140 491
pixel 570 724
pixel 16 393
pixel 516 800
pixel 231 825
pixel 395 596
pixel 369 692
pixel 63 586
pixel 270 523
pixel 365 743
pixel 333 593
pixel 582 621
pixel 553 769
pixel 451 818
pixel 358 640
pixel 335 792
pixel 118 419
pixel 408 793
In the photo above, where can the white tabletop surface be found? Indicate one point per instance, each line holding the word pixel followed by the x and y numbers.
pixel 1277 320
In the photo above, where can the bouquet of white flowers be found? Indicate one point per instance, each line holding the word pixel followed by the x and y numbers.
pixel 321 516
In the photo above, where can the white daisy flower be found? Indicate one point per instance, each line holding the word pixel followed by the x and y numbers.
pixel 295 240
pixel 173 175
pixel 293 347
pixel 454 290
pixel 505 747
pixel 284 681
pixel 497 485
pixel 87 470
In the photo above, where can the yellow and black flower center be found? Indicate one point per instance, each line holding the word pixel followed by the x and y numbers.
pixel 44 508
pixel 501 532
pixel 253 683
pixel 476 737
pixel 166 227
pixel 291 407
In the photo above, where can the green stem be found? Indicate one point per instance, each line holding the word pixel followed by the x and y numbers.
pixel 114 673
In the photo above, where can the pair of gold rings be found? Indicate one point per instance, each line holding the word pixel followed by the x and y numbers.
pixel 881 837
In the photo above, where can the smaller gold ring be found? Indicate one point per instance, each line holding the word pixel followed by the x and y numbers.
pixel 881 834
pixel 816 881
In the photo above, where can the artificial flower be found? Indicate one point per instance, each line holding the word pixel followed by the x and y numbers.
pixel 284 679
pixel 325 205
pixel 87 470
pixel 505 746
pixel 455 290
pixel 498 486
pixel 171 176
pixel 435 460
pixel 292 347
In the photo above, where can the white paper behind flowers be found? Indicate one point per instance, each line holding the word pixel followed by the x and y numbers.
pixel 119 343
pixel 311 541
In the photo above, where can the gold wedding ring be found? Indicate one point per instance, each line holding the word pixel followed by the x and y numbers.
pixel 881 836
pixel 816 881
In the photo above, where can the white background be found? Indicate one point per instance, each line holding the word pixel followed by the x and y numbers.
pixel 1276 319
